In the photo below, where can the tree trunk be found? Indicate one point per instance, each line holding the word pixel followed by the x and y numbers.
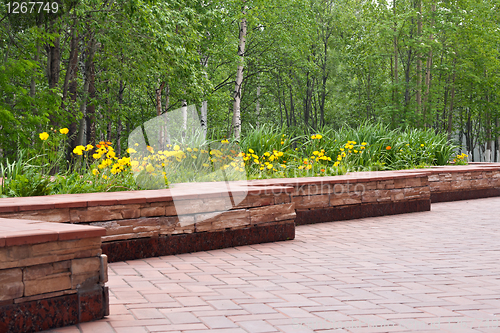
pixel 91 117
pixel 119 126
pixel 54 61
pixel 452 99
pixel 419 64
pixel 82 135
pixel 158 97
pixel 428 77
pixel 236 123
pixel 395 46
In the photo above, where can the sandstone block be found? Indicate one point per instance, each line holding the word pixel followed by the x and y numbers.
pixel 459 185
pixel 399 183
pixel 397 196
pixel 153 211
pixel 479 183
pixel 282 198
pixel 385 184
pixel 11 284
pixel 336 201
pixel 413 182
pixel 170 209
pixel 86 265
pixel 194 206
pixel 104 213
pixel 256 201
pixel 46 215
pixel 113 227
pixel 433 178
pixel 311 201
pixel 272 213
pixel 188 229
pixel 352 201
pixel 39 271
pixel 44 296
pixel 56 282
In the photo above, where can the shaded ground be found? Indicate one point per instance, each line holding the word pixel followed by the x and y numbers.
pixel 435 271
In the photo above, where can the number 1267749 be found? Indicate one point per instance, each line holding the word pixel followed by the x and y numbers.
pixel 32 7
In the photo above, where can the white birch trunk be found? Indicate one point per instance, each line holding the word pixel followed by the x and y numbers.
pixel 257 104
pixel 236 124
pixel 204 118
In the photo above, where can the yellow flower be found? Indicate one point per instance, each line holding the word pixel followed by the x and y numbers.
pixel 270 166
pixel 256 161
pixel 251 151
pixel 150 149
pixel 189 149
pixel 104 176
pixel 205 165
pixel 150 168
pixel 44 136
pixel 64 131
pixel 95 172
pixel 134 163
pixel 96 156
pixel 176 147
pixel 319 136
pixel 78 150
pixel 131 151
pixel 89 147
pixel 422 145
pixel 364 143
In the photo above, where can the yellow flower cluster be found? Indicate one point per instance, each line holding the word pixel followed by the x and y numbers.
pixel 78 150
pixel 349 148
pixel 174 156
pixel 461 159
pixel 267 161
pixel 44 135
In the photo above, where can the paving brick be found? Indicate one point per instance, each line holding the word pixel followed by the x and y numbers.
pixel 404 273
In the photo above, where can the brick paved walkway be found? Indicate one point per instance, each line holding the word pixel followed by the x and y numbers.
pixel 435 271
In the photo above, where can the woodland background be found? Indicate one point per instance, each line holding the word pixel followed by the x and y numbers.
pixel 104 67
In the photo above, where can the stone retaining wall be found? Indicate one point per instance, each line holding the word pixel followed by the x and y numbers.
pixel 51 275
pixel 147 223
pixel 357 195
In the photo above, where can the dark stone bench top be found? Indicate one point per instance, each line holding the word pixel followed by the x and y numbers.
pixel 23 232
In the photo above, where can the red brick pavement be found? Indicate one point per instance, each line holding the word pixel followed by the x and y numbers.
pixel 436 271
